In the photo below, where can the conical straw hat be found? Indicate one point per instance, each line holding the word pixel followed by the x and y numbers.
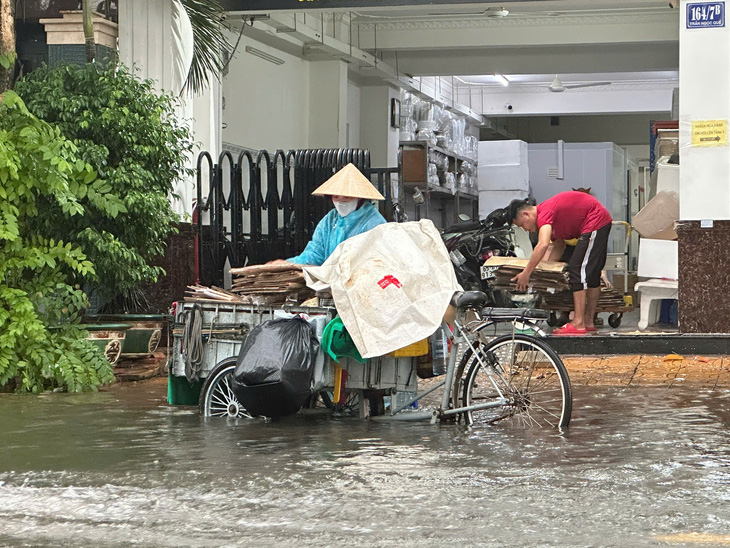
pixel 349 182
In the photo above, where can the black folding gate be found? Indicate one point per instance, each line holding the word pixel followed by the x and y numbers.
pixel 259 209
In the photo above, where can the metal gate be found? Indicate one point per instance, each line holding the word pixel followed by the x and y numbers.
pixel 260 208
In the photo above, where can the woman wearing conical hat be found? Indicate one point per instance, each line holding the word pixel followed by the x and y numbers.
pixel 353 214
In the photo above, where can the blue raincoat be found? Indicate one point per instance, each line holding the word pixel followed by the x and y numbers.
pixel 333 230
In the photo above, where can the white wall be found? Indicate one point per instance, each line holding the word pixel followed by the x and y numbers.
pixel 267 105
pixel 354 103
pixel 327 104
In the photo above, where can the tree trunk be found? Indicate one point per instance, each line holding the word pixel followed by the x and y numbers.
pixel 7 42
pixel 88 31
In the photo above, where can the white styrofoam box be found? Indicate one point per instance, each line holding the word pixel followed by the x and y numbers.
pixel 489 200
pixel 658 259
pixel 667 177
pixel 516 177
pixel 523 244
pixel 500 153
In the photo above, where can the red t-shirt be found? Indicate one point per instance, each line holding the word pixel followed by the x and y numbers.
pixel 571 214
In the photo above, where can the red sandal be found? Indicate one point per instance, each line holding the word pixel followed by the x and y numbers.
pixel 569 330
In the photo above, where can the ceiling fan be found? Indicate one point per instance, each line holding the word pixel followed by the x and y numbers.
pixel 557 85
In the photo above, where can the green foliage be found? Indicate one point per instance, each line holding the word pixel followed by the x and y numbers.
pixel 139 149
pixel 40 169
pixel 210 47
pixel 7 60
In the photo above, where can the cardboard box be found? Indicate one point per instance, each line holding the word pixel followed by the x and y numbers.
pixel 516 177
pixel 501 153
pixel 656 219
pixel 618 284
pixel 667 143
pixel 658 259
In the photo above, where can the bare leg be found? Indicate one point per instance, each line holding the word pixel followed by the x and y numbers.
pixel 592 296
pixel 579 307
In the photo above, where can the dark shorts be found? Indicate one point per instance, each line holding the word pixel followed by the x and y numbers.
pixel 588 259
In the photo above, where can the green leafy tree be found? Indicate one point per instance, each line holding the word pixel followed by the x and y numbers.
pixel 133 138
pixel 40 171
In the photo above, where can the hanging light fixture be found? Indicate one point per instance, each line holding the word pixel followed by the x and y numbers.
pixel 263 55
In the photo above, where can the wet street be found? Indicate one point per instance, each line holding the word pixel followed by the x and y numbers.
pixel 639 466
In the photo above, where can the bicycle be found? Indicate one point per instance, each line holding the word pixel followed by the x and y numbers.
pixel 514 377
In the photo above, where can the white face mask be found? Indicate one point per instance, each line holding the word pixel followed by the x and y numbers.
pixel 345 208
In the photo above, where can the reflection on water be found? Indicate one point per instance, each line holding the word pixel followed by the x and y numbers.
pixel 638 467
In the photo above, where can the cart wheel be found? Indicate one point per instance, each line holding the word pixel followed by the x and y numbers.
pixel 154 341
pixel 350 404
pixel 217 398
pixel 552 320
pixel 614 320
pixel 563 318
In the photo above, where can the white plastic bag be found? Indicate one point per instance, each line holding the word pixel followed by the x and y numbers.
pixel 391 285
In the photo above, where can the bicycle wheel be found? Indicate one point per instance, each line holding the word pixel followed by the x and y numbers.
pixel 217 398
pixel 523 377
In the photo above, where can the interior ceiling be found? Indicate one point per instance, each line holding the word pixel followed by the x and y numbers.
pixel 528 37
pixel 496 8
pixel 634 44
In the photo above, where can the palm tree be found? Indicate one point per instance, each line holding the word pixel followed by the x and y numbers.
pixel 88 24
pixel 210 47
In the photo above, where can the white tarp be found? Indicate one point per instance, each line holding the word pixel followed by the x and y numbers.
pixel 391 285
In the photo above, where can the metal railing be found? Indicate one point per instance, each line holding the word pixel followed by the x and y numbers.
pixel 258 207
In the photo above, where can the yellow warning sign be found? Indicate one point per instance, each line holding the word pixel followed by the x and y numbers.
pixel 709 133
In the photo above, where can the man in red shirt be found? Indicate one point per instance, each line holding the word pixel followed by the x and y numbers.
pixel 565 216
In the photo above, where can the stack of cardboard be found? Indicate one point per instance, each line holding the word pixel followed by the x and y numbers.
pixel 271 284
pixel 548 277
pixel 195 293
pixel 550 282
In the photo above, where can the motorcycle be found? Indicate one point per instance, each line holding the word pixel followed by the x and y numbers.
pixel 471 243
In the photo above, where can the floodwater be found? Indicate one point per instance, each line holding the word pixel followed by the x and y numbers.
pixel 638 467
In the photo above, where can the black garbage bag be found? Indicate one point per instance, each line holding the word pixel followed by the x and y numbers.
pixel 274 369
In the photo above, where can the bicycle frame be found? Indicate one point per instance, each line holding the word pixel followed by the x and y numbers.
pixel 458 337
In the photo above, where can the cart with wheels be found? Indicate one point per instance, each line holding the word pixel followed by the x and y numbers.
pixel 207 338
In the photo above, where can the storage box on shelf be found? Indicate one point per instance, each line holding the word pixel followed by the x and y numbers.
pixel 450 178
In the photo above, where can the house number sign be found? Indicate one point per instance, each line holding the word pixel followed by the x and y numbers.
pixel 703 15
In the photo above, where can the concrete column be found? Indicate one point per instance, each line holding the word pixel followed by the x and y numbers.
pixel 375 131
pixel 704 81
pixel 327 104
pixel 704 175
pixel 145 40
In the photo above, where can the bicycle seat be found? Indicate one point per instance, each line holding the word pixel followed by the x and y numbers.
pixel 513 314
pixel 469 299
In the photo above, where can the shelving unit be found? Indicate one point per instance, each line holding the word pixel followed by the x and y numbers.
pixel 441 205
